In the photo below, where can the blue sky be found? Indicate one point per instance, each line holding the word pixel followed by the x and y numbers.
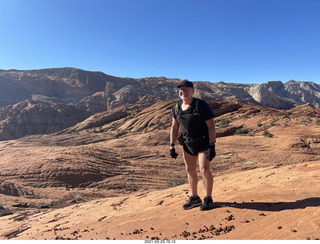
pixel 240 41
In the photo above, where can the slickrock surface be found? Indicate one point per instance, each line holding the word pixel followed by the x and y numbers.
pixel 265 203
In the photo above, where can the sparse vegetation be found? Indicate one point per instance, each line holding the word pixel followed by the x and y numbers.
pixel 306 142
pixel 316 140
pixel 173 181
pixel 46 203
pixel 223 123
pixel 241 131
pixel 304 121
pixel 78 198
pixel 273 123
pixel 266 133
pixel 162 125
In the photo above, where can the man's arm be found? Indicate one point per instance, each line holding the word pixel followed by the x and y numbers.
pixel 211 130
pixel 174 131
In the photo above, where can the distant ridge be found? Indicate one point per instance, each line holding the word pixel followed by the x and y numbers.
pixel 95 91
pixel 35 117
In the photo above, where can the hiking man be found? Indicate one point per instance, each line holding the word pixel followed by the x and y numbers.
pixel 194 118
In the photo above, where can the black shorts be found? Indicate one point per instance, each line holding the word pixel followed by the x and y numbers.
pixel 194 150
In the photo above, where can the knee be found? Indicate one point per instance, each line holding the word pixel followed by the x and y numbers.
pixel 205 171
pixel 191 170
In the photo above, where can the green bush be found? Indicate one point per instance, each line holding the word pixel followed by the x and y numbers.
pixel 173 181
pixel 267 134
pixel 241 131
pixel 223 123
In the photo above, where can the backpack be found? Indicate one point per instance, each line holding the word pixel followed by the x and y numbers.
pixel 195 111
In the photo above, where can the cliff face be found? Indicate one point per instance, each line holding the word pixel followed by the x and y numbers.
pixel 34 117
pixel 93 91
pixel 284 96
pixel 67 84
pixel 303 92
pixel 97 92
pixel 271 94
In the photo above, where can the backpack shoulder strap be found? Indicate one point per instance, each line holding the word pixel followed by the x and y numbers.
pixel 197 105
pixel 176 109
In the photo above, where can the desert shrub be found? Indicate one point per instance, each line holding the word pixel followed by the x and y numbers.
pixel 78 198
pixel 245 116
pixel 46 204
pixel 316 140
pixel 173 181
pixel 223 123
pixel 273 123
pixel 241 131
pixel 267 134
pixel 306 143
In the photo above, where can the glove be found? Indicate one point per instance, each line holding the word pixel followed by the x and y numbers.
pixel 173 153
pixel 211 152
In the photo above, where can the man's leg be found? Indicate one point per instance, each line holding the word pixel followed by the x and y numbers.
pixel 191 168
pixel 204 165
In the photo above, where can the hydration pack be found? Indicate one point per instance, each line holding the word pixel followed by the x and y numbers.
pixel 195 111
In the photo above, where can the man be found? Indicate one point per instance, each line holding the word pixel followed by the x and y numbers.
pixel 194 118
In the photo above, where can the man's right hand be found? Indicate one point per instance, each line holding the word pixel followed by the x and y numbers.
pixel 211 152
pixel 173 153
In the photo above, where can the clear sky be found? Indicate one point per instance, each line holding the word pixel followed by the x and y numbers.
pixel 240 41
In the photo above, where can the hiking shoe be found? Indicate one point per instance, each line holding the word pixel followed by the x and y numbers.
pixel 207 204
pixel 193 202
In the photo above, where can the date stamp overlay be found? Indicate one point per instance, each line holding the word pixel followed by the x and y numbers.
pixel 160 241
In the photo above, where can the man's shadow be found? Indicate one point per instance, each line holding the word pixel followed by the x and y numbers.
pixel 276 206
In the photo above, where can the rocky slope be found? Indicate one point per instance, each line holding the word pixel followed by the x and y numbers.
pixel 108 149
pixel 34 117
